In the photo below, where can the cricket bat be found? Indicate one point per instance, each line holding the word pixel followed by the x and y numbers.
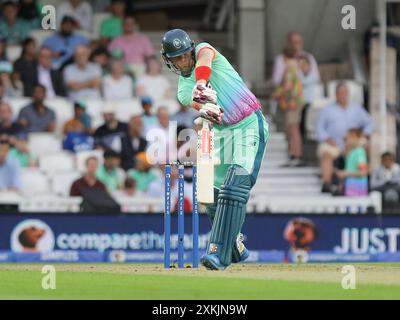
pixel 205 164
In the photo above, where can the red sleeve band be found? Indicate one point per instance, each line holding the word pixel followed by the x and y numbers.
pixel 203 73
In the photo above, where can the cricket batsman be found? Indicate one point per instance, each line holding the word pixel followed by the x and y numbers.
pixel 209 84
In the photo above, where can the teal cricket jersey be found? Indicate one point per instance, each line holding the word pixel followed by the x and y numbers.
pixel 233 96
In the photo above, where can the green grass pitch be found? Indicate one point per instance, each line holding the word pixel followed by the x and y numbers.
pixel 240 282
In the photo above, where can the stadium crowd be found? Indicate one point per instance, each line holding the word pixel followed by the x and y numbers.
pixel 122 64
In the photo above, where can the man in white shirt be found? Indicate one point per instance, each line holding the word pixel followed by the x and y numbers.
pixel 80 10
pixel 83 78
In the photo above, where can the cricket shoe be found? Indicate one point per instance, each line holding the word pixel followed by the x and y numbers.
pixel 240 252
pixel 212 262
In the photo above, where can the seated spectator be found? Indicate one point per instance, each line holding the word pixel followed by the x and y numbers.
pixel 36 117
pixel 289 95
pixel 185 116
pixel 3 48
pixel 109 135
pixel 143 173
pixel 63 43
pixel 20 152
pixel 15 29
pixel 26 63
pixel 331 128
pixel 110 173
pixel 13 87
pixel 8 127
pixel 101 56
pixel 42 73
pixel 129 190
pixel 29 10
pixel 78 130
pixel 117 85
pixel 83 78
pixel 111 27
pixel 387 174
pixel 2 92
pixel 132 143
pixel 153 84
pixel 10 171
pixel 136 46
pixel 81 11
pixel 148 118
pixel 89 179
pixel 355 175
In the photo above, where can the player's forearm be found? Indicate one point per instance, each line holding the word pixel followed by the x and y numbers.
pixel 204 65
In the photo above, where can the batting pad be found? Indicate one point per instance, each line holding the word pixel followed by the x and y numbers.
pixel 230 213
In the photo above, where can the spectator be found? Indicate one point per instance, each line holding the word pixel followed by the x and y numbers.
pixel 117 85
pixel 185 116
pixel 289 95
pixel 3 48
pixel 143 174
pixel 331 128
pixel 10 172
pixel 81 122
pixel 136 47
pixel 83 78
pixel 387 174
pixel 355 175
pixel 148 118
pixel 15 29
pixel 132 143
pixel 7 126
pixel 13 87
pixel 309 80
pixel 2 93
pixel 89 179
pixel 153 84
pixel 42 73
pixel 36 117
pixel 294 44
pixel 129 190
pixel 109 173
pixel 101 56
pixel 20 152
pixel 63 43
pixel 26 63
pixel 81 11
pixel 111 27
pixel 29 11
pixel 109 135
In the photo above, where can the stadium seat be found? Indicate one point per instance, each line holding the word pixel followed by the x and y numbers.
pixel 61 182
pixel 171 104
pixel 13 53
pixel 94 107
pixel 50 203
pixel 64 111
pixel 58 162
pixel 34 182
pixel 83 155
pixel 319 91
pixel 40 36
pixel 41 143
pixel 356 90
pixel 312 115
pixel 127 108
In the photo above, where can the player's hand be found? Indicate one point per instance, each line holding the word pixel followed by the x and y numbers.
pixel 203 94
pixel 211 112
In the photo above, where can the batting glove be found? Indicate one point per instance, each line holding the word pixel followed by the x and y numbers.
pixel 211 112
pixel 203 94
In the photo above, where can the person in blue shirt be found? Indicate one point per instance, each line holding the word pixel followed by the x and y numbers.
pixel 10 171
pixel 64 43
pixel 331 128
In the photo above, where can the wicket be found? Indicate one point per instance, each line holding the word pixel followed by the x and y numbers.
pixel 181 217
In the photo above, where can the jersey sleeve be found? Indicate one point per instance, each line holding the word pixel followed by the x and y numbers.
pixel 204 45
pixel 185 92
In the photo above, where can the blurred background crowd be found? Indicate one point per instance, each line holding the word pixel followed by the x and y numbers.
pixel 76 105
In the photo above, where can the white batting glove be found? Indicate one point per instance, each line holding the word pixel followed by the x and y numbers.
pixel 211 112
pixel 203 94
